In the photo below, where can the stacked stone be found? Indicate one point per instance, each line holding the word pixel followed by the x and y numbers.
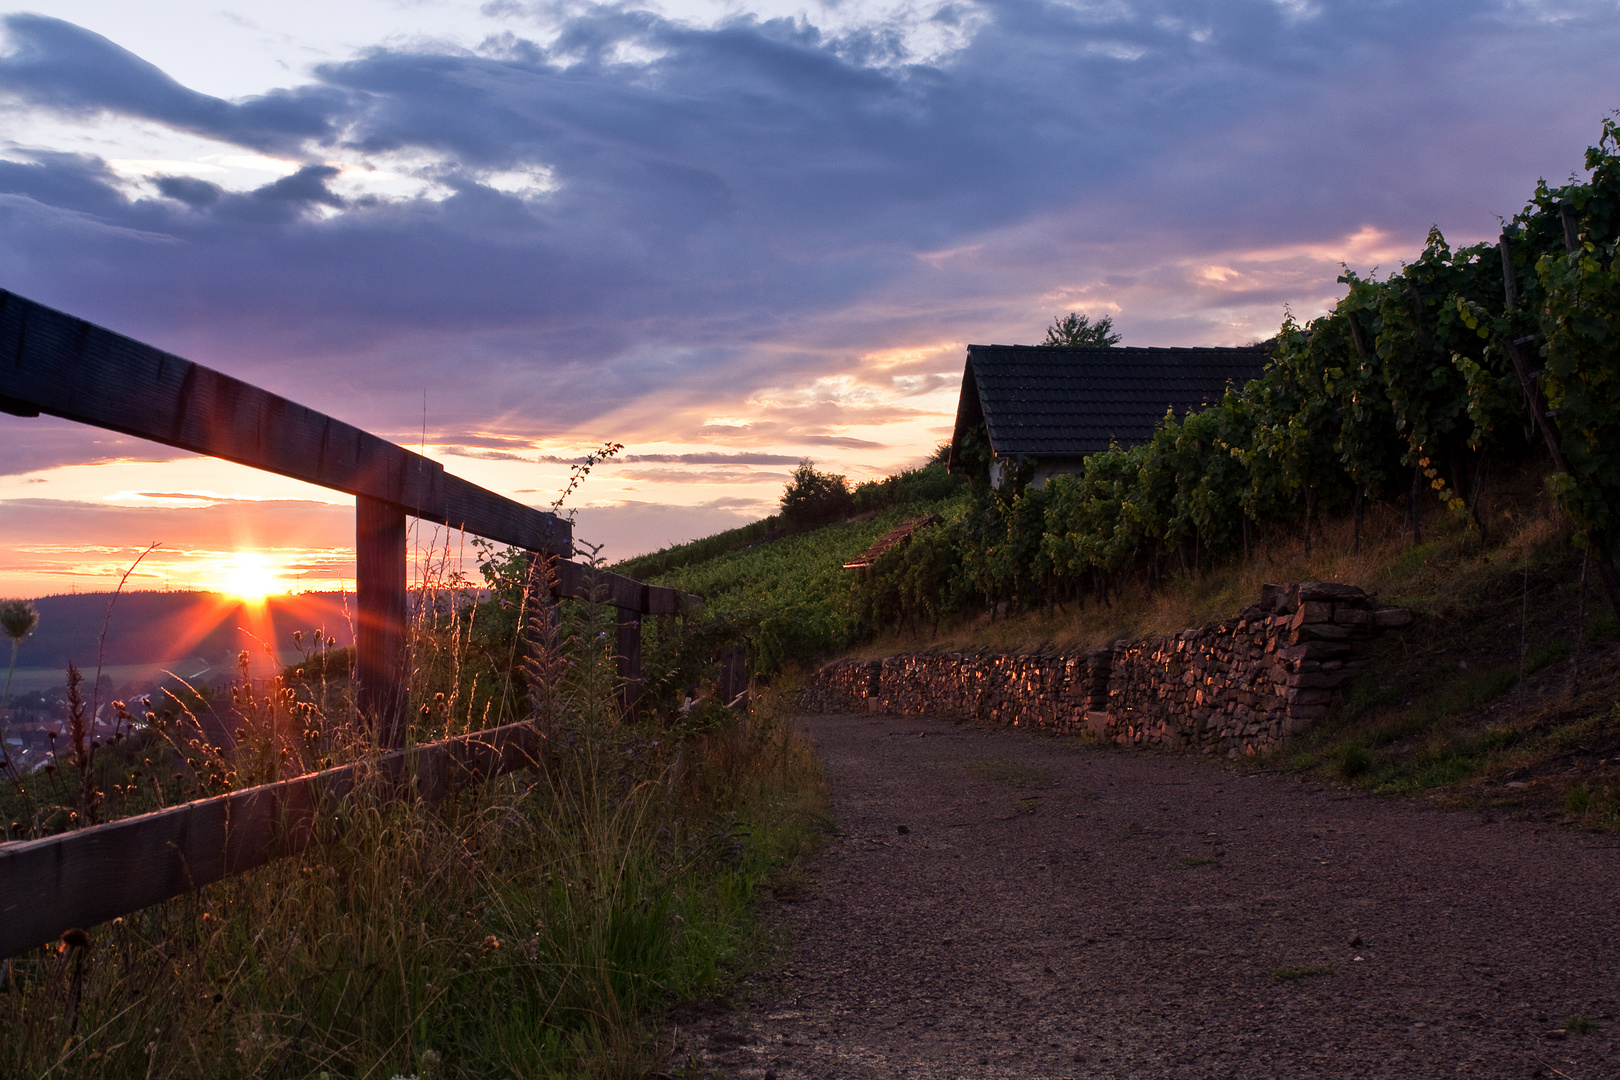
pixel 1235 688
pixel 836 688
pixel 1208 688
pixel 1322 620
pixel 1046 691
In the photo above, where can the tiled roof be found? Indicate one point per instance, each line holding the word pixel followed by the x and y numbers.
pixel 1043 401
pixel 898 535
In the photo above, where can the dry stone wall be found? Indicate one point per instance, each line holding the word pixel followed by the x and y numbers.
pixel 1234 688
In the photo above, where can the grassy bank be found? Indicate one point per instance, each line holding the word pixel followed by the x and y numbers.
pixel 1503 696
pixel 537 925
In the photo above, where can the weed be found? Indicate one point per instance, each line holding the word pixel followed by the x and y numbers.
pixel 1289 974
pixel 1354 760
pixel 1299 761
pixel 533 925
pixel 1578 799
pixel 1192 861
pixel 1580 1025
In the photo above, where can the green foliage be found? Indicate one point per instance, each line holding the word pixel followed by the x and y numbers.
pixel 668 560
pixel 925 485
pixel 1407 385
pixel 533 925
pixel 1580 319
pixel 814 498
pixel 1076 331
pixel 790 600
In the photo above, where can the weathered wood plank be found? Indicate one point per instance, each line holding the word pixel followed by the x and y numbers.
pixel 576 582
pixel 381 634
pixel 627 650
pixel 82 878
pixel 54 363
pixel 661 601
pixel 733 672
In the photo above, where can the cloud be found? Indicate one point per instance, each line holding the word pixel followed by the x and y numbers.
pixel 53 545
pixel 712 459
pixel 57 65
pixel 29 444
pixel 702 476
pixel 632 528
pixel 627 210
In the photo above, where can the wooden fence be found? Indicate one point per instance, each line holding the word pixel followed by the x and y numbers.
pixel 54 364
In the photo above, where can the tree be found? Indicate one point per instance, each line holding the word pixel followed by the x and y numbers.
pixel 1076 331
pixel 814 498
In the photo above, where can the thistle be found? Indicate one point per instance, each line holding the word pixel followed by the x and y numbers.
pixel 17 620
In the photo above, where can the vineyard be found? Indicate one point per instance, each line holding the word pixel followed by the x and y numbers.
pixel 1433 389
pixel 1462 367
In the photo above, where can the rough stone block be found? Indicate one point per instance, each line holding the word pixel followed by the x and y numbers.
pixel 1393 618
pixel 1315 650
pixel 1311 611
pixel 1320 680
pixel 1331 591
pixel 1319 632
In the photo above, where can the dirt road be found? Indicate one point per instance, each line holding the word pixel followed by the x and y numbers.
pixel 996 904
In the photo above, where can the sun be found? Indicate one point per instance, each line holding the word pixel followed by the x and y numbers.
pixel 250 577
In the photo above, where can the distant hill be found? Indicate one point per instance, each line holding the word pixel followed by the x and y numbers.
pixel 158 627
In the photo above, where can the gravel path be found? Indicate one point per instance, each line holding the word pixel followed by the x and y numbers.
pixel 1133 915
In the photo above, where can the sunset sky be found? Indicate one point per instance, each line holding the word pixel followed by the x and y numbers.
pixel 729 235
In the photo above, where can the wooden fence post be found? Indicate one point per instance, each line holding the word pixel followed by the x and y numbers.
pixel 541 633
pixel 628 650
pixel 733 672
pixel 381 638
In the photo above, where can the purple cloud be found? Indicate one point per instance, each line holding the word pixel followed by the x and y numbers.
pixel 761 202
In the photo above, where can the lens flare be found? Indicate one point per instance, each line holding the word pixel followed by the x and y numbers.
pixel 250 577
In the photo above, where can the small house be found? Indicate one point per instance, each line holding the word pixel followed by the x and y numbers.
pixel 1050 406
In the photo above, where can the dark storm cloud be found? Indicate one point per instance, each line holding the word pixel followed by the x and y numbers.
pixel 750 183
pixel 59 65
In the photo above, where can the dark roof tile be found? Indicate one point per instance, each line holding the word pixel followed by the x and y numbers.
pixel 1042 401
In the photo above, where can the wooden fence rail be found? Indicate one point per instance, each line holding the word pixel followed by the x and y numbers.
pixel 54 364
pixel 59 365
pixel 87 876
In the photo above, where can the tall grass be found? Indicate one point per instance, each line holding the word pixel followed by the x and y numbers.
pixel 533 926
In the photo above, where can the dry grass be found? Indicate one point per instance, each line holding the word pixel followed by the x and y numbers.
pixel 533 926
pixel 1437 576
pixel 1479 707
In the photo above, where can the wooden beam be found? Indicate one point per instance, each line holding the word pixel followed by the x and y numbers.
pixel 381 634
pixel 733 672
pixel 56 364
pixel 82 878
pixel 541 635
pixel 627 649
pixel 578 582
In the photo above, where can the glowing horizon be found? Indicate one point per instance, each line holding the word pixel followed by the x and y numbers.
pixel 718 259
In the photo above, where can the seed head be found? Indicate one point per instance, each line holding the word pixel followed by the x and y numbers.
pixel 17 618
